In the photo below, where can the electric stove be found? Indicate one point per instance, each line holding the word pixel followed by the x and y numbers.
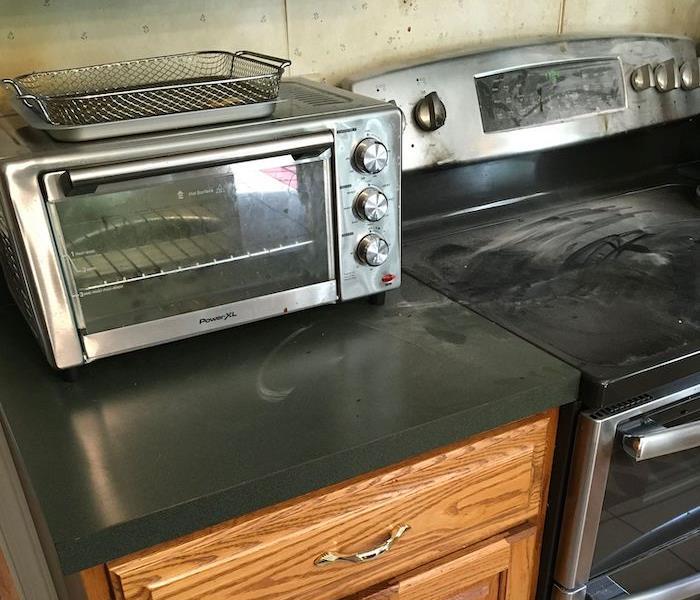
pixel 554 189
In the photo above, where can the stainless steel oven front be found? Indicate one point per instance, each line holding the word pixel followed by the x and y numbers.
pixel 632 519
pixel 126 244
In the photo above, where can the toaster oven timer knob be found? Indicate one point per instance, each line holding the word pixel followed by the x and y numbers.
pixel 371 204
pixel 373 250
pixel 371 156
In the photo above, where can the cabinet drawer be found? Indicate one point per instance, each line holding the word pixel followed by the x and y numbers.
pixel 450 499
pixel 499 569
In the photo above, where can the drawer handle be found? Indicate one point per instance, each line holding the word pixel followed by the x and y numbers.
pixel 383 548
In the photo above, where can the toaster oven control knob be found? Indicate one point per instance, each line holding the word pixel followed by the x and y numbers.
pixel 371 204
pixel 373 250
pixel 371 156
pixel 430 112
pixel 667 76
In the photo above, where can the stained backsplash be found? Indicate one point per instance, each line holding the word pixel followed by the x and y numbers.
pixel 330 38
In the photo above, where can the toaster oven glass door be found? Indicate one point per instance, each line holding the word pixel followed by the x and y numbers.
pixel 153 247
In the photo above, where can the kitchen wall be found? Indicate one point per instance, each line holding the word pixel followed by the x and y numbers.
pixel 330 38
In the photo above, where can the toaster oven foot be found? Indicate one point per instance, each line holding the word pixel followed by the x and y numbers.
pixel 377 299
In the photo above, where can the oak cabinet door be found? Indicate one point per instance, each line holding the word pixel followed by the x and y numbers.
pixel 502 568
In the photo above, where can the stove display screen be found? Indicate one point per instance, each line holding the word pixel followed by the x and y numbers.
pixel 546 93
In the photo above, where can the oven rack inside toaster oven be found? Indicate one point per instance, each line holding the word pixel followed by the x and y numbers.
pixel 95 269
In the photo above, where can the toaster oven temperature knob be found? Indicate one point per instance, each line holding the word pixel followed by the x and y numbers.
pixel 371 204
pixel 371 156
pixel 373 250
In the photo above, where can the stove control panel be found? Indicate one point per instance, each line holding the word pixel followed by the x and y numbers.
pixel 551 92
pixel 667 76
pixel 513 100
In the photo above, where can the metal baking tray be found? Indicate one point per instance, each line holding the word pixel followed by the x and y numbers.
pixel 144 95
pixel 85 133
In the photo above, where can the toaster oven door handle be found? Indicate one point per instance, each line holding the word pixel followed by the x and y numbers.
pixel 75 181
pixel 652 441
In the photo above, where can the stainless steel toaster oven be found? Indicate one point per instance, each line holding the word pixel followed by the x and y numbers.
pixel 116 245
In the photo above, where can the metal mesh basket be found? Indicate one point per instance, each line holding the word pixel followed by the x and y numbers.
pixel 150 87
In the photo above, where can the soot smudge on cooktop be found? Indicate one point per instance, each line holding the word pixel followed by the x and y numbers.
pixel 609 283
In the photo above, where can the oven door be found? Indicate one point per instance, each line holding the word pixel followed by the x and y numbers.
pixel 166 248
pixel 648 543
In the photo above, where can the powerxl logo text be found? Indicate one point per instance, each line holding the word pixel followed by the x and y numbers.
pixel 223 317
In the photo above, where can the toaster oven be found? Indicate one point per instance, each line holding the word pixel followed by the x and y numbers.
pixel 116 245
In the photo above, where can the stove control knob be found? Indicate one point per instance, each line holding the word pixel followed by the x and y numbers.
pixel 642 78
pixel 371 156
pixel 690 74
pixel 373 250
pixel 371 204
pixel 430 112
pixel 667 76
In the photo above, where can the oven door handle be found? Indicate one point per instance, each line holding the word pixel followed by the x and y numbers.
pixel 87 179
pixel 652 441
pixel 682 589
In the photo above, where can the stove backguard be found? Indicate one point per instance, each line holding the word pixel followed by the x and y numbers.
pixel 514 100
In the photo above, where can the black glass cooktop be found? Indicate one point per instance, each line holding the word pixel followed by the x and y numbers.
pixel 610 283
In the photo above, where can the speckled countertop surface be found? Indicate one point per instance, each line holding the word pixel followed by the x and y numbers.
pixel 159 443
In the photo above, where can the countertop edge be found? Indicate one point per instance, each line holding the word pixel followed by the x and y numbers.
pixel 149 530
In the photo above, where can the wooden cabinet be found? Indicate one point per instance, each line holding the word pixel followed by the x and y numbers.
pixel 474 511
pixel 8 590
pixel 498 569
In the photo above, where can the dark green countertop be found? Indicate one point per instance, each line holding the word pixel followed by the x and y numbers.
pixel 158 443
